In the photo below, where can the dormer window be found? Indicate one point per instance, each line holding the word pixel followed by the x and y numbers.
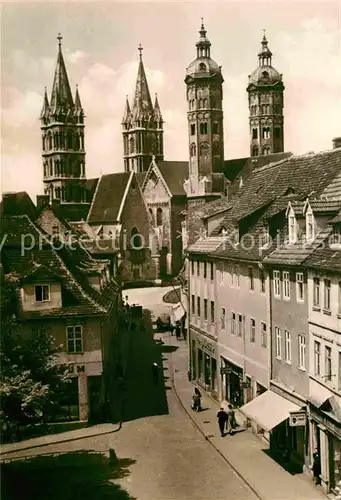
pixel 42 293
pixel 202 67
pixel 292 224
pixel 265 237
pixel 335 237
pixel 310 229
pixel 223 231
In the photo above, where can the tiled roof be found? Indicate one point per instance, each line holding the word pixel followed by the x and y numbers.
pixel 108 198
pixel 17 204
pixel 296 253
pixel 326 257
pixel 233 168
pixel 140 177
pixel 174 173
pixel 213 207
pixel 268 191
pixel 334 190
pixel 205 245
pixel 318 206
pixel 73 212
pixel 24 255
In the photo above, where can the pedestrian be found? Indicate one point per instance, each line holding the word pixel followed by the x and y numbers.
pixel 155 370
pixel 177 331
pixel 196 400
pixel 317 467
pixel 222 419
pixel 230 419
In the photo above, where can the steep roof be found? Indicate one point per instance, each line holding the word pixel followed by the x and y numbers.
pixel 61 95
pixel 17 204
pixel 108 198
pixel 325 257
pixel 67 265
pixel 233 168
pixel 174 173
pixel 142 104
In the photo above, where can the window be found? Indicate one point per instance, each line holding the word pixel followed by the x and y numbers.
pixel 205 270
pixel 241 324
pixel 292 228
pixel 212 271
pixel 198 307
pixel 286 285
pixel 266 133
pixel 192 266
pixel 254 151
pixel 74 339
pixel 278 338
pixel 299 287
pixel 192 128
pixel 193 304
pixel 327 295
pixel 136 239
pixel 316 293
pixel 301 352
pixel 205 309
pixel 223 318
pixel 198 268
pixel 287 347
pixel 251 279
pixel 262 281
pixel 277 284
pixel 233 323
pixel 310 226
pixel 159 217
pixel 203 128
pixel 335 237
pixel 212 312
pixel 254 133
pixel 252 330
pixel 328 362
pixel 317 358
pixel 264 335
pixel 193 149
pixel 42 293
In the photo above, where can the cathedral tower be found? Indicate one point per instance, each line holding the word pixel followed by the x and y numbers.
pixel 142 127
pixel 266 119
pixel 205 114
pixel 62 126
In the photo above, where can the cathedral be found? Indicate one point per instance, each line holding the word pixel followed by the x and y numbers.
pixel 165 192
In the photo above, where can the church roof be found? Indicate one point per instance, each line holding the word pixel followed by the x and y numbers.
pixel 108 198
pixel 174 173
pixel 61 95
pixel 17 204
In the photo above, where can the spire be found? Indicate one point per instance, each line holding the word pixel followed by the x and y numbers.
pixel 265 54
pixel 45 107
pixel 61 93
pixel 127 112
pixel 78 104
pixel 203 45
pixel 157 110
pixel 142 101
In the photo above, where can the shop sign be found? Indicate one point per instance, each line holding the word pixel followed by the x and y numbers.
pixel 225 370
pixel 205 345
pixel 297 418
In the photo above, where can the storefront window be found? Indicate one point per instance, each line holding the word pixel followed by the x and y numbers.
pixel 207 369
pixel 194 368
pixel 214 375
pixel 200 364
pixel 336 471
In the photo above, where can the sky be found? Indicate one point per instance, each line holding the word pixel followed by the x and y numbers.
pixel 100 47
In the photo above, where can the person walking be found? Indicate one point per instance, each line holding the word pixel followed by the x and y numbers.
pixel 230 419
pixel 177 331
pixel 155 371
pixel 222 419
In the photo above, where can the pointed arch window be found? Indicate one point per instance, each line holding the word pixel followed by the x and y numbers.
pixel 50 140
pixel 254 151
pixel 193 149
pixel 192 128
pixel 70 140
pixel 201 103
pixel 254 133
pixel 159 217
pixel 205 103
pixel 266 151
pixel 132 144
pixel 151 215
pixel 135 239
pixel 202 67
pixel 266 132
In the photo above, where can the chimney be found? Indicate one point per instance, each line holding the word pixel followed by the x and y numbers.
pixel 336 142
pixel 42 200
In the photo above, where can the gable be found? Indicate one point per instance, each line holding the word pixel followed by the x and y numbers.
pixel 108 197
pixel 154 187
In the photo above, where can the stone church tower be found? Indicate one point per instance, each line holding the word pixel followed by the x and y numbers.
pixel 142 127
pixel 266 119
pixel 205 117
pixel 62 127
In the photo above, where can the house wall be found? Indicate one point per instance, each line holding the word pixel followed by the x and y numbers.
pixel 252 357
pixel 178 204
pixel 28 297
pixel 290 315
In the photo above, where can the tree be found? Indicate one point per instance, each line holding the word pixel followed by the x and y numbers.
pixel 30 377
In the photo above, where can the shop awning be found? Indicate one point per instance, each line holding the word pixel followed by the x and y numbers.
pixel 177 312
pixel 318 395
pixel 268 410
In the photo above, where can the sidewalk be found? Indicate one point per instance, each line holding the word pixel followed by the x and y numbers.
pixel 243 451
pixel 96 430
